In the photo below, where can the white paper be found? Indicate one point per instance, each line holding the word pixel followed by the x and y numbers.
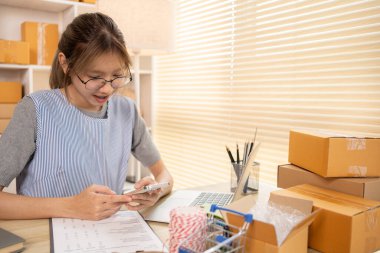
pixel 125 231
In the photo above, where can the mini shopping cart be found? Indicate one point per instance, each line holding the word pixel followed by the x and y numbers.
pixel 218 236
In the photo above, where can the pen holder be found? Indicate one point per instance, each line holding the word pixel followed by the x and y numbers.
pixel 252 183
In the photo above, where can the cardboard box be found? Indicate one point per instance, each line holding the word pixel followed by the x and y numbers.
pixel 29 33
pixel 261 236
pixel 10 92
pixel 43 39
pixel 289 175
pixel 330 155
pixel 14 52
pixel 346 223
pixel 3 124
pixel 6 110
pixel 89 1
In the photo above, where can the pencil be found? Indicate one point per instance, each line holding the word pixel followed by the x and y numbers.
pixel 230 155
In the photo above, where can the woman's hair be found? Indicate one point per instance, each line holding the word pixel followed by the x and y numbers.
pixel 86 38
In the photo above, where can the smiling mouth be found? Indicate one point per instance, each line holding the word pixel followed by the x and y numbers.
pixel 101 97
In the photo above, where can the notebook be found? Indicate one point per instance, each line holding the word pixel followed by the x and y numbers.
pixel 161 211
pixel 10 242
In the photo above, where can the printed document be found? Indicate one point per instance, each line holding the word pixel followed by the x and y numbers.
pixel 125 231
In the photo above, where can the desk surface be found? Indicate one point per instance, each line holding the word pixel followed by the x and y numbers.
pixel 36 232
pixel 37 237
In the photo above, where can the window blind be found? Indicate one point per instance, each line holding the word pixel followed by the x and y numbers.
pixel 274 65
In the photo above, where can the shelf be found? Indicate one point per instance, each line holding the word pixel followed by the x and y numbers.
pixel 13 66
pixel 44 5
pixel 25 67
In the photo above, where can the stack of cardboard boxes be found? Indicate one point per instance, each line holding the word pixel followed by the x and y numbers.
pixel 330 170
pixel 43 41
pixel 38 45
pixel 10 94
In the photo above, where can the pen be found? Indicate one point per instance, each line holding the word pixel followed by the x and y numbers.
pixel 245 152
pixel 237 153
pixel 230 155
pixel 253 143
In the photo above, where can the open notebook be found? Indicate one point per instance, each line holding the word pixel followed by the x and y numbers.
pixel 161 211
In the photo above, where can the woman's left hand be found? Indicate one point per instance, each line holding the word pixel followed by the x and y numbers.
pixel 143 200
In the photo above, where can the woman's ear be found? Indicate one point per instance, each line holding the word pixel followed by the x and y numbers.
pixel 62 62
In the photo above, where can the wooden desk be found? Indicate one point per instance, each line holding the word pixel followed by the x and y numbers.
pixel 36 232
pixel 37 238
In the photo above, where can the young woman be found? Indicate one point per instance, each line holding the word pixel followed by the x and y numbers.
pixel 69 147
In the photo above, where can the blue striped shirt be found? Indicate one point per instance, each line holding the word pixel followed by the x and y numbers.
pixel 74 150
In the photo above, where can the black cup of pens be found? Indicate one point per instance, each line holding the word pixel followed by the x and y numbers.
pixel 251 184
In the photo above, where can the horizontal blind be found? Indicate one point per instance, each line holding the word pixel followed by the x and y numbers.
pixel 274 65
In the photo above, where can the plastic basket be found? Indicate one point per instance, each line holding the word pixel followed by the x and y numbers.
pixel 217 236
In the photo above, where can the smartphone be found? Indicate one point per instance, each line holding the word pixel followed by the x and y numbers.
pixel 146 188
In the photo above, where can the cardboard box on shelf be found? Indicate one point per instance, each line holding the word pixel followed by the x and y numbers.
pixel 6 110
pixel 89 1
pixel 43 39
pixel 10 92
pixel 262 237
pixel 16 52
pixel 330 155
pixel 29 33
pixel 289 175
pixel 3 124
pixel 346 223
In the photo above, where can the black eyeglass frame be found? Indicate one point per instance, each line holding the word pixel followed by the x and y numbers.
pixel 107 81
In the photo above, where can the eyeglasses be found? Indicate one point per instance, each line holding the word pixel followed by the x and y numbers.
pixel 97 82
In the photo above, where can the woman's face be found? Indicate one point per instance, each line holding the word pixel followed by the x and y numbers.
pixel 88 96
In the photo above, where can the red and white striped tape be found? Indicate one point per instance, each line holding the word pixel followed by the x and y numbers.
pixel 184 222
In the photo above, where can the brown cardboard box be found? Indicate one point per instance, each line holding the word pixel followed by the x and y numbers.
pixel 29 33
pixel 43 39
pixel 346 223
pixel 261 236
pixel 50 43
pixel 14 52
pixel 6 110
pixel 3 124
pixel 89 1
pixel 10 92
pixel 289 175
pixel 335 156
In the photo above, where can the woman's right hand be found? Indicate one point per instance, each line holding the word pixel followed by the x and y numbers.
pixel 96 202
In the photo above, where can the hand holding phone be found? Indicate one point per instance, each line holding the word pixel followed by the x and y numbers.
pixel 146 188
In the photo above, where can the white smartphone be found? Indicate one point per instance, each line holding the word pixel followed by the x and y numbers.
pixel 146 188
